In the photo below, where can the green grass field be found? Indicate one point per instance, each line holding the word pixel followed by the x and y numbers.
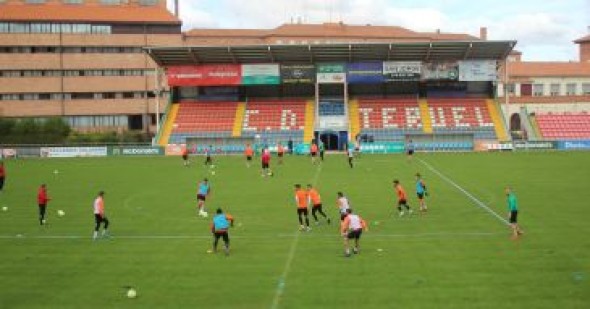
pixel 457 256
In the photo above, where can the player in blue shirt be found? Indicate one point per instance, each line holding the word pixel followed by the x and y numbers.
pixel 203 190
pixel 421 192
pixel 513 213
pixel 219 227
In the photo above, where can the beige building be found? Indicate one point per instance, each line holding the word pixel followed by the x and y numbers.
pixel 83 60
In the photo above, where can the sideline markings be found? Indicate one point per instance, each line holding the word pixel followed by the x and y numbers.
pixel 279 291
pixel 469 195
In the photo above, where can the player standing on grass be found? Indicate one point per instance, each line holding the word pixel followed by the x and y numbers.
pixel 316 202
pixel 2 176
pixel 42 200
pixel 99 216
pixel 402 199
pixel 280 152
pixel 421 192
pixel 351 228
pixel 350 155
pixel 208 154
pixel 314 152
pixel 202 193
pixel 249 153
pixel 219 227
pixel 322 150
pixel 301 202
pixel 410 150
pixel 265 159
pixel 343 205
pixel 513 213
pixel 184 153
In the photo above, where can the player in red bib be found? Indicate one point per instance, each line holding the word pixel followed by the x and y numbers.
pixel 42 199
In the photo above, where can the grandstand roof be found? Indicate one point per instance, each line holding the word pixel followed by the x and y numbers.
pixel 353 52
pixel 86 13
pixel 549 69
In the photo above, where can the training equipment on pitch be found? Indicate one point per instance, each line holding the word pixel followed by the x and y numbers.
pixel 4 208
pixel 61 213
pixel 131 293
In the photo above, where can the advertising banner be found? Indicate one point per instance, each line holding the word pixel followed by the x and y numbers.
pixel 440 71
pixel 534 145
pixel 364 73
pixel 402 70
pixel 135 151
pixel 385 147
pixel 174 149
pixel 204 75
pixel 331 78
pixel 331 68
pixel 8 153
pixel 302 149
pixel 477 70
pixel 298 73
pixel 574 145
pixel 260 74
pixel 71 152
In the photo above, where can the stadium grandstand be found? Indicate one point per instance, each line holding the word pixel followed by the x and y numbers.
pixel 95 63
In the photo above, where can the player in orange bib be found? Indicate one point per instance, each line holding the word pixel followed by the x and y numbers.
pixel 402 198
pixel 351 228
pixel 280 152
pixel 301 202
pixel 249 153
pixel 316 202
pixel 184 153
pixel 314 152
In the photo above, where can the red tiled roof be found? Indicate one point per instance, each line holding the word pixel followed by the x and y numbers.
pixel 86 13
pixel 332 30
pixel 549 69
pixel 583 39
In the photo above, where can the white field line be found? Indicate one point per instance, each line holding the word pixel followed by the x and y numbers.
pixel 166 237
pixel 477 202
pixel 283 279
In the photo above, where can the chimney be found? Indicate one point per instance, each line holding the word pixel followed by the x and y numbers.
pixel 483 33
pixel 176 8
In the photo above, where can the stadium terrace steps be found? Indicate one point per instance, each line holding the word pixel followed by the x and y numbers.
pixel 425 113
pixel 462 115
pixel 168 125
pixel 239 120
pixel 535 126
pixel 389 119
pixel 355 125
pixel 275 120
pixel 497 119
pixel 564 125
pixel 309 121
pixel 203 119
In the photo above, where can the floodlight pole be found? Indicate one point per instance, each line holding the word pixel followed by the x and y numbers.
pixel 157 93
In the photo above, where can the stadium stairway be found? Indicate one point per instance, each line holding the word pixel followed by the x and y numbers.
pixel 535 126
pixel 168 124
pixel 355 124
pixel 309 121
pixel 425 114
pixel 532 133
pixel 239 120
pixel 499 126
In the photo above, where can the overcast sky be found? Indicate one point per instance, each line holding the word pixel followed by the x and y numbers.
pixel 544 29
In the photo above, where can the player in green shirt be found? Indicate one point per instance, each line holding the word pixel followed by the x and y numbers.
pixel 322 150
pixel 513 213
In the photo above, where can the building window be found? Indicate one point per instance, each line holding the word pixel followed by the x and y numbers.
pixel 35 1
pixel 554 89
pixel 148 2
pixel 510 88
pixel 586 89
pixel 73 1
pixel 110 2
pixel 570 89
pixel 538 90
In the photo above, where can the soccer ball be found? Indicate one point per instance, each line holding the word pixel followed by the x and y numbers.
pixel 61 213
pixel 131 293
pixel 56 172
pixel 212 172
pixel 4 208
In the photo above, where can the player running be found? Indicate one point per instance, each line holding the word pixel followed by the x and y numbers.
pixel 350 154
pixel 351 228
pixel 402 199
pixel 203 191
pixel 184 153
pixel 219 227
pixel 42 199
pixel 316 202
pixel 265 159
pixel 280 152
pixel 208 154
pixel 249 153
pixel 421 192
pixel 2 176
pixel 99 216
pixel 301 202
pixel 343 205
pixel 314 152
pixel 322 150
pixel 513 213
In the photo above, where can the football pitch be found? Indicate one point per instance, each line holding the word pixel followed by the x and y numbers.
pixel 458 255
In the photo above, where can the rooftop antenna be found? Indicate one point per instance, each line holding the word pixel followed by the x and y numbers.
pixel 176 8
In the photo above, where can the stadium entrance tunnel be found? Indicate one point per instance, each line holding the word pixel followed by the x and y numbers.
pixel 333 140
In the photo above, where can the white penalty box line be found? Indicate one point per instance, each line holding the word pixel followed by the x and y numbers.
pixel 475 200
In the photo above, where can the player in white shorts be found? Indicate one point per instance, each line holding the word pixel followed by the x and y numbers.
pixel 343 205
pixel 351 228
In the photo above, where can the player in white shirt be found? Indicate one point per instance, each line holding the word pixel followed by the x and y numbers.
pixel 343 205
pixel 351 228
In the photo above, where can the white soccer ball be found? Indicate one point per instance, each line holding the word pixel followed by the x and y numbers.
pixel 212 172
pixel 56 172
pixel 131 293
pixel 61 213
pixel 4 208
